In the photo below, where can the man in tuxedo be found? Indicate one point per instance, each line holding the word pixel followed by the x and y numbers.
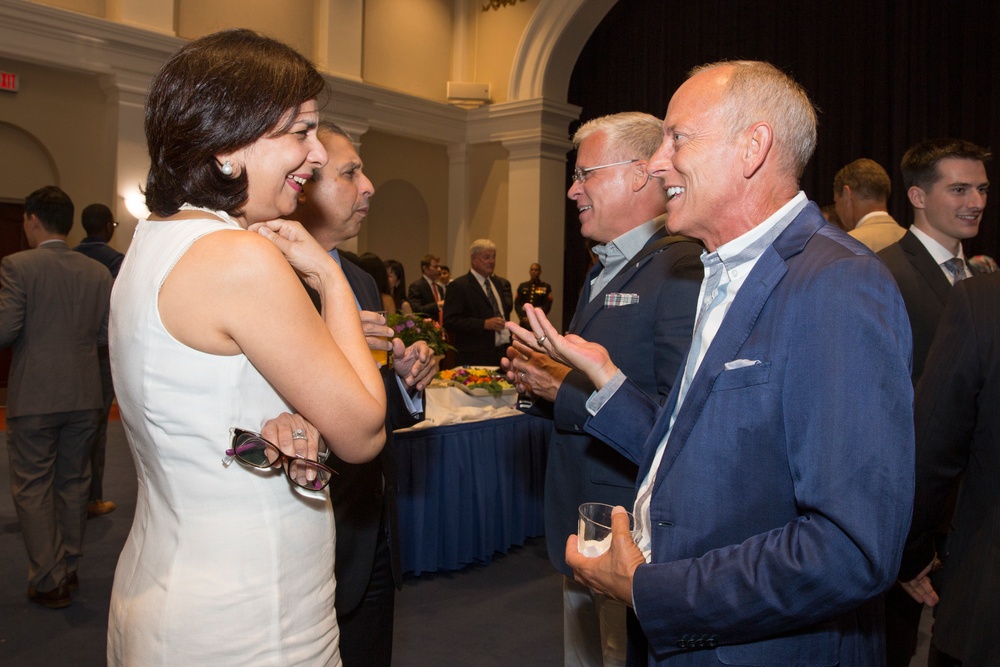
pixel 639 303
pixel 477 307
pixel 54 312
pixel 861 197
pixel 958 454
pixel 426 293
pixel 946 184
pixel 100 225
pixel 775 485
pixel 367 568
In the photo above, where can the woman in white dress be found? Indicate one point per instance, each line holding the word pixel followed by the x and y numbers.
pixel 211 330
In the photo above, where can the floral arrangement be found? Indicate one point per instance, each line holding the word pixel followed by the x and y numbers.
pixel 411 327
pixel 494 382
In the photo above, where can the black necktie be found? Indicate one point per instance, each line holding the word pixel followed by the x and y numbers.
pixel 493 299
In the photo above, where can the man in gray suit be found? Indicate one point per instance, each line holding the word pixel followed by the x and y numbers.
pixel 53 311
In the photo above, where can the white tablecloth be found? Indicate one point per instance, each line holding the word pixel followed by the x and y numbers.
pixel 446 404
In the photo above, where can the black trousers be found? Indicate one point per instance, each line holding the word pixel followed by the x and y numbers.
pixel 366 631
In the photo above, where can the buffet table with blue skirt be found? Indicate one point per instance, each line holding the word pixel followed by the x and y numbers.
pixel 469 490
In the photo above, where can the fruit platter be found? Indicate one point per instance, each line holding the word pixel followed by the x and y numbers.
pixel 478 380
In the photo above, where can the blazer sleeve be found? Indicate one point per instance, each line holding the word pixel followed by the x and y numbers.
pixel 12 303
pixel 626 421
pixel 945 414
pixel 506 297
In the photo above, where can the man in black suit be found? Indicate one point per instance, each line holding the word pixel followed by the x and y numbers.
pixel 426 294
pixel 476 308
pixel 364 496
pixel 640 304
pixel 946 184
pixel 100 224
pixel 958 452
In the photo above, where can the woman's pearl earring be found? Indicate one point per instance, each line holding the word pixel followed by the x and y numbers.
pixel 227 168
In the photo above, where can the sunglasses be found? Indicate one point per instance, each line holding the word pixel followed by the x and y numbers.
pixel 252 449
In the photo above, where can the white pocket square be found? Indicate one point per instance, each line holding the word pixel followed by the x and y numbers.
pixel 739 363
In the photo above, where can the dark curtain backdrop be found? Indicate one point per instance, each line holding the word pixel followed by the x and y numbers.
pixel 884 74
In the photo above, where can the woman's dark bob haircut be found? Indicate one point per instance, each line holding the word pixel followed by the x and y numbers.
pixel 218 94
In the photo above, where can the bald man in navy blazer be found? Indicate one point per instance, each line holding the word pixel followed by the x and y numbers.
pixel 775 485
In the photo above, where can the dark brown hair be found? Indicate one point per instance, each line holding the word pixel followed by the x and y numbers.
pixel 218 94
pixel 920 162
pixel 52 207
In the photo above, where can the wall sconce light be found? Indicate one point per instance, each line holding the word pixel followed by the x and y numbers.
pixel 135 203
pixel 497 4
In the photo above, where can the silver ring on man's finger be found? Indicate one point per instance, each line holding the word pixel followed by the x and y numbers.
pixel 299 434
pixel 541 339
pixel 522 376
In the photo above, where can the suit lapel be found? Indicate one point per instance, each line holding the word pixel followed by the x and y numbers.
pixel 925 265
pixel 586 310
pixel 365 296
pixel 767 273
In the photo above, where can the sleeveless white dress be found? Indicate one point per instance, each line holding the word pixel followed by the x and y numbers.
pixel 223 565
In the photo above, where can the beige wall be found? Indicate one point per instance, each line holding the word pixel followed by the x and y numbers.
pixel 496 38
pixel 407 46
pixel 290 22
pixel 409 212
pixel 48 135
pixel 90 7
pixel 488 193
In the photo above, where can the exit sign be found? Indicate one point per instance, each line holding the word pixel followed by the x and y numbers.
pixel 8 81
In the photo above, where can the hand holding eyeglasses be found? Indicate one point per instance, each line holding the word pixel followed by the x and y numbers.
pixel 286 432
pixel 254 450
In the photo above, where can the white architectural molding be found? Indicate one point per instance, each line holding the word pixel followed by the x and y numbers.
pixel 550 45
pixel 67 40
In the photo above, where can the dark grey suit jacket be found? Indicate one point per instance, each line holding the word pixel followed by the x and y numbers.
pixel 958 450
pixel 364 495
pixel 466 308
pixel 54 312
pixel 421 298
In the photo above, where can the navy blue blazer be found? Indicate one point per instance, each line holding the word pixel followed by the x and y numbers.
pixel 783 498
pixel 648 341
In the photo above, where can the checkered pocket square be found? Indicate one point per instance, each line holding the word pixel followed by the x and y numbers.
pixel 615 299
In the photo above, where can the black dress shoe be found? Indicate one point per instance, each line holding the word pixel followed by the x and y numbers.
pixel 72 582
pixel 57 598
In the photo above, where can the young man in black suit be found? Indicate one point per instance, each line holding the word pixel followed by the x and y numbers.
pixel 946 184
pixel 426 294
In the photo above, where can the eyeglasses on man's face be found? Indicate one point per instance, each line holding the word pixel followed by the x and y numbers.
pixel 581 175
pixel 252 449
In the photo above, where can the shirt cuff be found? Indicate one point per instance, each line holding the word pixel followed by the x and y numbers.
pixel 415 403
pixel 604 394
